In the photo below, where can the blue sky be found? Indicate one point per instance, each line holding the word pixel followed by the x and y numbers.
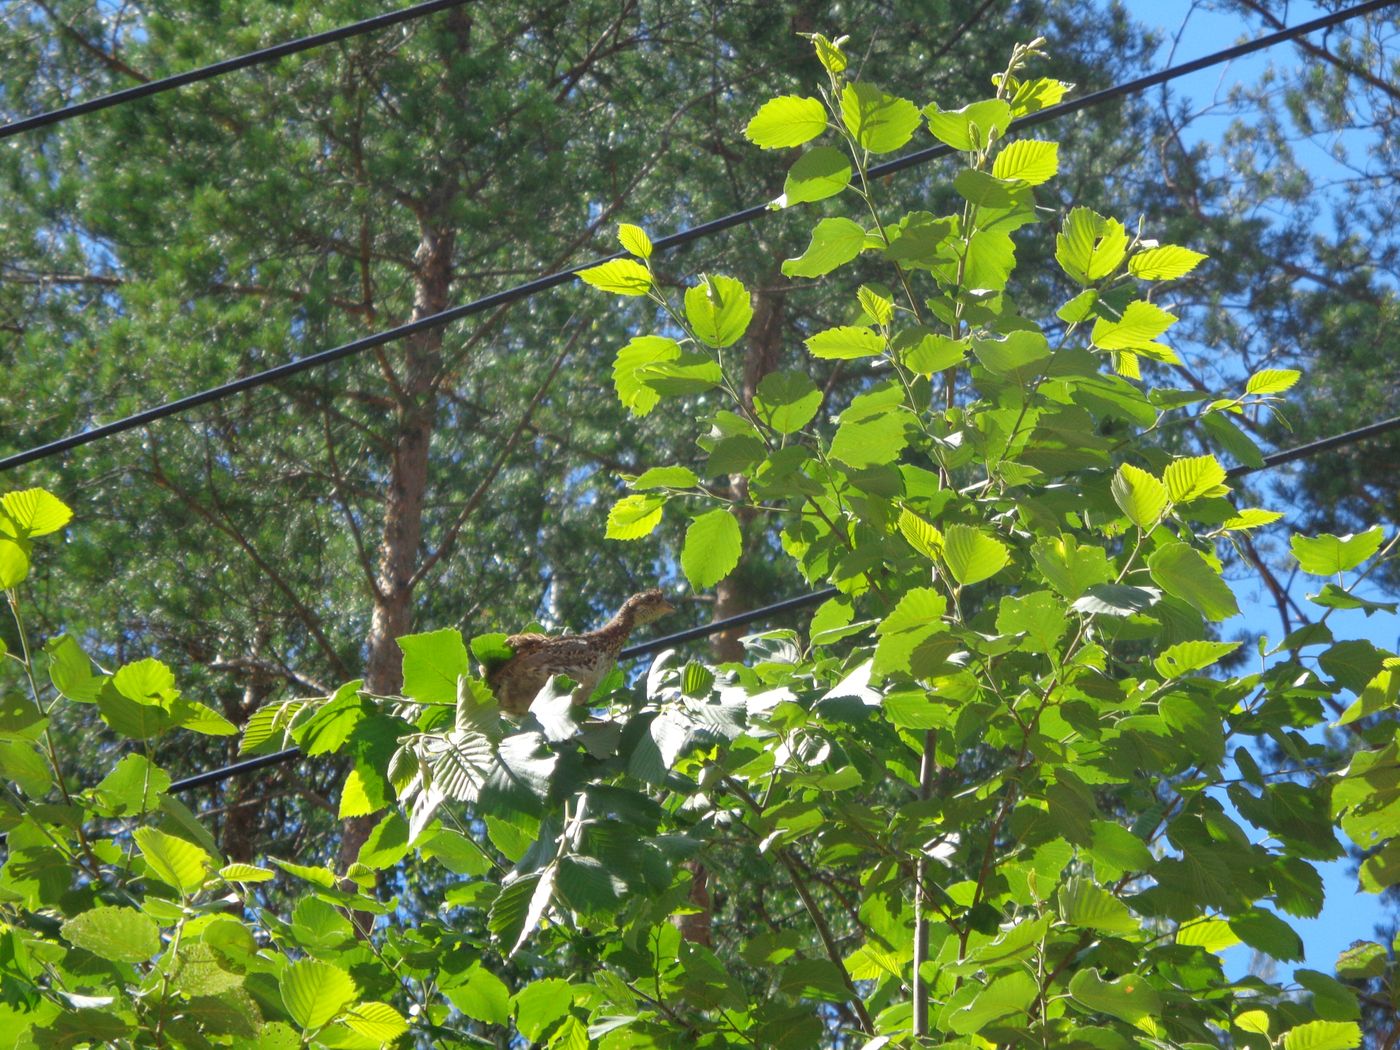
pixel 1190 30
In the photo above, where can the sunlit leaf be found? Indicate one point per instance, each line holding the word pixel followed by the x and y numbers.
pixel 712 547
pixel 314 992
pixel 972 555
pixel 834 243
pixel 619 276
pixel 786 121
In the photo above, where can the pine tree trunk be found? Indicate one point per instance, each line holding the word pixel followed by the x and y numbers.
pixel 405 493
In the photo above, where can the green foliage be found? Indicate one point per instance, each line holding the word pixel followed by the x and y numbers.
pixel 979 804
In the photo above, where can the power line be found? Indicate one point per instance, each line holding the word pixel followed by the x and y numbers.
pixel 228 65
pixel 799 601
pixel 694 233
pixel 213 776
pixel 1312 448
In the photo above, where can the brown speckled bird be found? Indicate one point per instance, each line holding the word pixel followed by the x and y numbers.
pixel 585 658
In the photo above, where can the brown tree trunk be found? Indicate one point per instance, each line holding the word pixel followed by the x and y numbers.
pixel 762 355
pixel 243 808
pixel 732 595
pixel 401 539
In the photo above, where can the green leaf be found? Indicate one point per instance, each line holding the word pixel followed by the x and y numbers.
pixel 719 310
pixel 1116 850
pixel 379 1022
pixel 1266 932
pixel 971 128
pixel 619 276
pixel 36 512
pixel 1164 263
pixel 199 718
pixel 845 343
pixel 665 478
pixel 1089 246
pixel 1068 567
pixel 1184 657
pixel 688 374
pixel 139 721
pixel 1208 932
pixel 1031 96
pixel 872 440
pixel 713 543
pixel 145 681
pixel 1327 555
pixel 132 787
pixel 635 240
pixel 1272 381
pixel 1080 308
pixel 879 122
pixel 14 562
pixel 922 536
pixel 971 555
pixel 539 1004
pixel 1194 478
pixel 1333 597
pixel 1379 694
pixel 245 873
pixel 642 352
pixel 1021 355
pixel 1140 495
pixel 1039 615
pixel 1181 571
pixel 518 908
pixel 1323 1035
pixel 1233 440
pixel 821 172
pixel 315 992
pixel 1009 994
pixel 386 845
pixel 635 516
pixel 1083 904
pixel 1332 1000
pixel 1251 518
pixel 482 996
pixel 120 934
pixel 928 352
pixel 834 243
pixel 21 762
pixel 432 663
pixel 1361 961
pixel 173 860
pixel 1128 998
pixel 829 52
pixel 1028 161
pixel 917 609
pixel 1140 324
pixel 786 121
pixel 878 307
pixel 787 401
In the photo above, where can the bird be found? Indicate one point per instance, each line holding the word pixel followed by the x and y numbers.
pixel 585 658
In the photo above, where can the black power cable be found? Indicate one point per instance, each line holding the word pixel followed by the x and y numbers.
pixel 694 233
pixel 800 601
pixel 228 65
pixel 213 776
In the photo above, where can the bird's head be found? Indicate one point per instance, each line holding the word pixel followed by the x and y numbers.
pixel 648 606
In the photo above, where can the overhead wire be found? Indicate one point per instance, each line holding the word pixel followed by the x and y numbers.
pixel 527 289
pixel 217 69
pixel 800 601
pixel 681 237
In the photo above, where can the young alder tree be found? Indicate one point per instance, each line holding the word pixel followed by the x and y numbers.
pixel 1000 793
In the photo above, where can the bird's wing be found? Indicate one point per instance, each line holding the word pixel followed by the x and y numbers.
pixel 523 644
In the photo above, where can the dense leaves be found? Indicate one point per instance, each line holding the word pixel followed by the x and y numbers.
pixel 981 801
